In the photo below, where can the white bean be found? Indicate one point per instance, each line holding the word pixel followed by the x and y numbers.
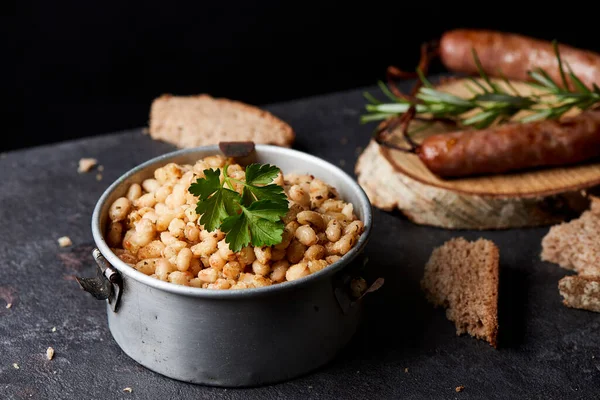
pixel 119 209
pixel 334 230
pixel 184 258
pixel 150 185
pixel 297 271
pixel 134 192
pixel 311 217
pixel 260 269
pixel 306 235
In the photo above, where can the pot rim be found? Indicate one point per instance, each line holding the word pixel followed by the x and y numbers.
pixel 132 273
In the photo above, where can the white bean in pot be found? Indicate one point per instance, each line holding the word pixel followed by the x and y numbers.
pixel 119 209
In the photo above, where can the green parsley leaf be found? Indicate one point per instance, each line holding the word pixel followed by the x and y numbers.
pixel 259 224
pixel 215 202
pixel 254 217
pixel 257 174
pixel 262 175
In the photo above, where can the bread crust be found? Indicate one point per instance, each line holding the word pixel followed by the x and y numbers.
pixel 200 120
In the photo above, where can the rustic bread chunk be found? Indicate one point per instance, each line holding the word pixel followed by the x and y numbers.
pixel 463 277
pixel 575 245
pixel 191 121
pixel 580 292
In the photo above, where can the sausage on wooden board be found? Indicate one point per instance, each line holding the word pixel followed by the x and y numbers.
pixel 514 55
pixel 514 146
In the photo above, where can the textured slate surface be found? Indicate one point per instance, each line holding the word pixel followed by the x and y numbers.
pixel 547 351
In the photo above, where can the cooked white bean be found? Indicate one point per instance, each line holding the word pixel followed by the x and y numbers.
pixel 348 211
pixel 119 209
pixel 150 185
pixel 195 266
pixel 163 269
pixel 179 278
pixel 208 275
pixel 147 266
pixel 297 271
pixel 184 258
pixel 344 245
pixel 176 227
pixel 334 230
pixel 146 200
pixel 216 261
pixel 315 252
pixel 153 249
pixel 295 251
pixel 163 192
pixel 331 259
pixel 134 192
pixel 232 270
pixel 191 232
pixel 260 269
pixel 205 248
pixel 306 235
pixel 246 256
pixel 263 255
pixel 299 195
pixel 277 254
pixel 224 251
pixel 311 217
pixel 316 265
pixel 354 227
pixel 278 270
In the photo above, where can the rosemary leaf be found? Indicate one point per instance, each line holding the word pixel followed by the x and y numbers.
pixel 423 79
pixel 445 97
pixel 373 117
pixel 395 108
pixel 486 78
pixel 387 92
pixel 370 98
pixel 560 66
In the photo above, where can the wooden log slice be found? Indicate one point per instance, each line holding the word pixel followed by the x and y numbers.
pixel 394 179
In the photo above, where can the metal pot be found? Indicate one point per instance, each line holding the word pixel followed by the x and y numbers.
pixel 230 338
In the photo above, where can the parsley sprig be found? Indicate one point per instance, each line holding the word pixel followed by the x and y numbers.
pixel 252 217
pixel 491 102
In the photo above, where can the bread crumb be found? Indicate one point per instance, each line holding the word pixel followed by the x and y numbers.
pixel 145 131
pixel 344 140
pixel 64 241
pixel 99 177
pixel 358 150
pixel 406 370
pixel 8 305
pixel 53 329
pixel 86 164
pixel 15 366
pixel 128 390
pixel 100 168
pixel 342 163
pixel 49 353
pixel 459 389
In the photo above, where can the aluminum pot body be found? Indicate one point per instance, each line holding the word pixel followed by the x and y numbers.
pixel 235 338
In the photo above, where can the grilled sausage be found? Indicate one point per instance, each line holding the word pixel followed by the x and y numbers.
pixel 512 147
pixel 514 55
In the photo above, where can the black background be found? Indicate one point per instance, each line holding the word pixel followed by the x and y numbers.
pixel 86 68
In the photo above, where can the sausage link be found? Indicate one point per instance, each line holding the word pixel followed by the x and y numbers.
pixel 514 55
pixel 513 146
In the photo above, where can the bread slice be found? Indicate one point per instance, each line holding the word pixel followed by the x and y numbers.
pixel 581 292
pixel 463 277
pixel 575 245
pixel 191 121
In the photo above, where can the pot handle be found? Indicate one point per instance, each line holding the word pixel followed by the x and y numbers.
pixel 107 284
pixel 343 291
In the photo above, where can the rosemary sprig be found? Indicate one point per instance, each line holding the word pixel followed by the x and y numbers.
pixel 490 103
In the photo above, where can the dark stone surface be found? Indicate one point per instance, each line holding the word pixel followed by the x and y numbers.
pixel 547 351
